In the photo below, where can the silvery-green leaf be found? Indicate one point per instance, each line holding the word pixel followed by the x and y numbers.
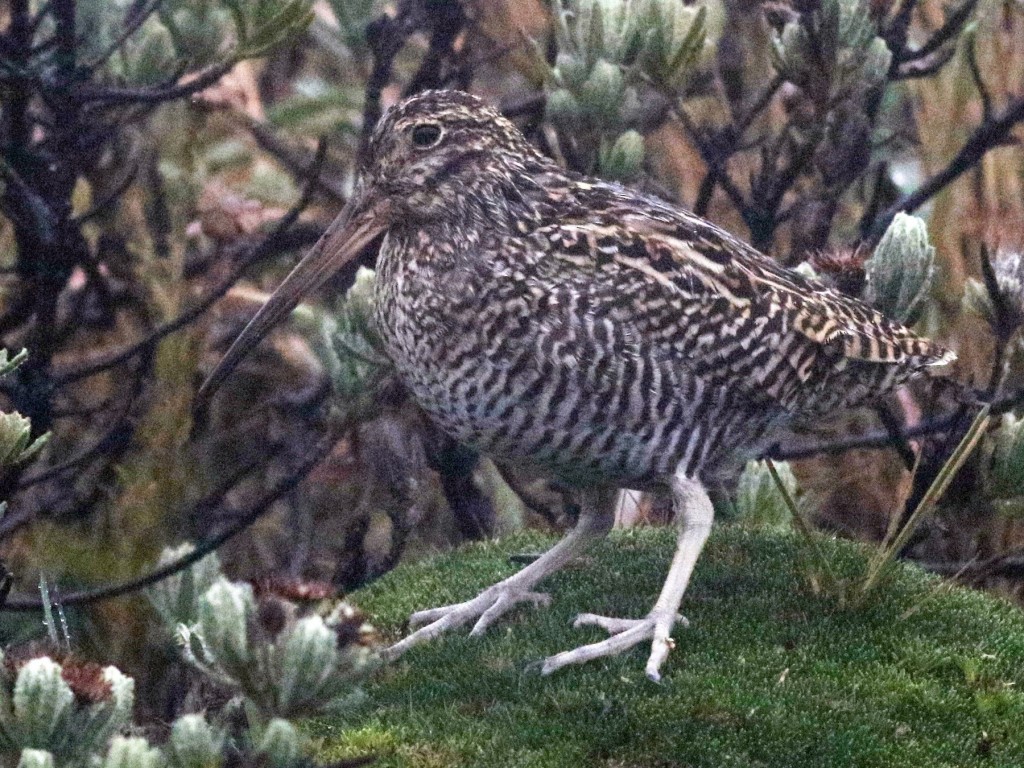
pixel 1007 472
pixel 758 500
pixel 901 270
pixel 41 701
pixel 194 743
pixel 309 656
pixel 15 431
pixel 281 744
pixel 35 758
pixel 131 753
pixel 225 612
pixel 8 364
pixel 122 693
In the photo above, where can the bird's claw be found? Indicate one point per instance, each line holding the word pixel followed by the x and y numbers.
pixel 625 633
pixel 486 608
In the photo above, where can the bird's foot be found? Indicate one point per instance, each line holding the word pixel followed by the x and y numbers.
pixel 625 633
pixel 486 608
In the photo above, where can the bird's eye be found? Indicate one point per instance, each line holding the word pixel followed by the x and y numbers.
pixel 426 135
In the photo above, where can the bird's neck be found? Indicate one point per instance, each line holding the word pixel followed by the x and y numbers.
pixel 495 204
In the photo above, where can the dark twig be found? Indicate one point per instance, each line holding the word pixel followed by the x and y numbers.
pixel 108 96
pixel 990 134
pixel 979 81
pixel 385 37
pixel 240 522
pixel 267 246
pixel 884 438
pixel 944 34
pixel 134 19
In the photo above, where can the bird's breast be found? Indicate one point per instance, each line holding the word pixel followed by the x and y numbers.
pixel 535 372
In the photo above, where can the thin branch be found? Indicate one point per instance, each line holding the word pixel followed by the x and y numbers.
pixel 134 19
pixel 947 32
pixel 988 135
pixel 385 37
pixel 107 96
pixel 884 438
pixel 242 521
pixel 268 245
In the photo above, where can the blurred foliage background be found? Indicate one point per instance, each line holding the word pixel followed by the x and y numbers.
pixel 164 162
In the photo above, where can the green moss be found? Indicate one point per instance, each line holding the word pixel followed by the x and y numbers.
pixel 768 674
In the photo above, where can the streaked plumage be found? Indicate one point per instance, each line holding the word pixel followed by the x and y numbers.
pixel 600 333
pixel 583 328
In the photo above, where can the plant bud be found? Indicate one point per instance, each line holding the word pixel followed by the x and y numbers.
pixel 131 753
pixel 35 758
pixel 281 744
pixel 601 95
pixel 563 110
pixel 194 743
pixel 42 700
pixel 901 270
pixel 154 55
pixel 877 58
pixel 571 70
pixel 625 159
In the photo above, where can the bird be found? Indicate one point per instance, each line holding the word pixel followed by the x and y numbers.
pixel 579 328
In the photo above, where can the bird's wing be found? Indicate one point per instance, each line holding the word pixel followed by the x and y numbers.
pixel 731 314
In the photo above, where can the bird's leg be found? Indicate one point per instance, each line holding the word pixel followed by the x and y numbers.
pixel 694 515
pixel 594 522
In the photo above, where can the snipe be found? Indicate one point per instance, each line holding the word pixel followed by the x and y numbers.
pixel 587 330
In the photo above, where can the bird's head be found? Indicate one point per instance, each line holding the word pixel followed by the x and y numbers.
pixel 437 152
pixel 431 157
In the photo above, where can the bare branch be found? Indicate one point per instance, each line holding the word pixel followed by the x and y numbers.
pixel 241 521
pixel 990 134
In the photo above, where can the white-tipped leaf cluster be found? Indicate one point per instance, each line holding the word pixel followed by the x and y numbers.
pixel 299 671
pixel 16 443
pixel 901 271
pixel 176 598
pixel 833 51
pixel 608 52
pixel 39 711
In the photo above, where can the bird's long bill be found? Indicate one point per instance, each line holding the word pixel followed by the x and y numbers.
pixel 359 222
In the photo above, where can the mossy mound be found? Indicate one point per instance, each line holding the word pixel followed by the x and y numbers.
pixel 768 674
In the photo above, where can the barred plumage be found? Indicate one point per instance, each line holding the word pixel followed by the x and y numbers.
pixel 586 329
pixel 574 324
